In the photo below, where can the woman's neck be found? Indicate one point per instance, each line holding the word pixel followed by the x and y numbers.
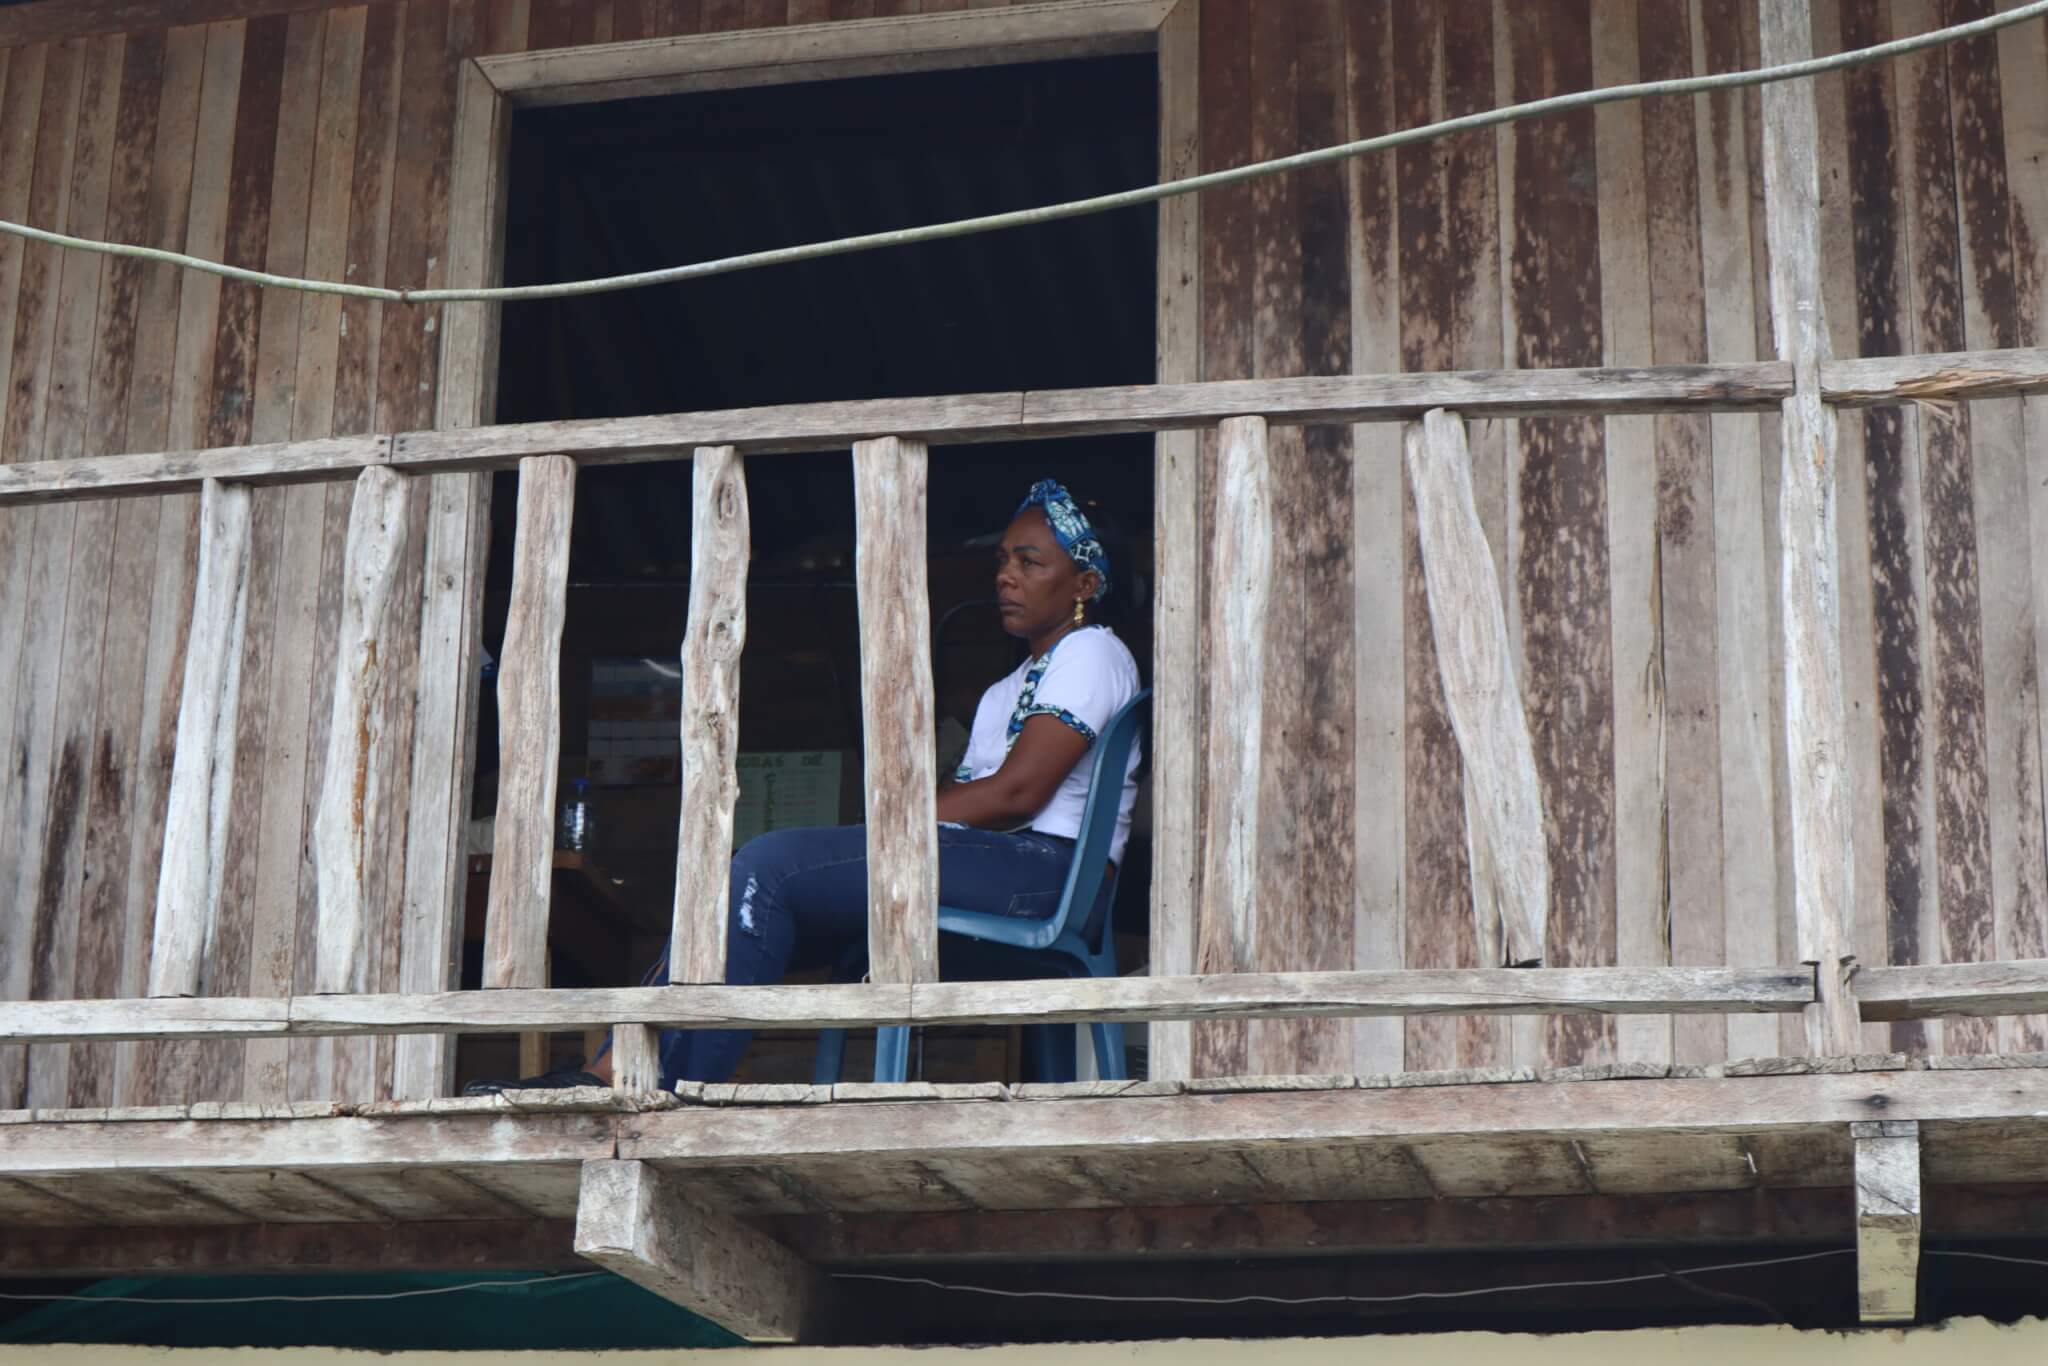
pixel 1042 646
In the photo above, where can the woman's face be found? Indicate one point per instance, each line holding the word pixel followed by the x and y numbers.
pixel 1037 584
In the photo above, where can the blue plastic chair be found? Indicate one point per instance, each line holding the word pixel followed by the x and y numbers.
pixel 1083 950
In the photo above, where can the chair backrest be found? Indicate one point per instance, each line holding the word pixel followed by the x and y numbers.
pixel 1098 818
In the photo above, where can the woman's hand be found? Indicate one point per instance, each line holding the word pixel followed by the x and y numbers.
pixel 1045 753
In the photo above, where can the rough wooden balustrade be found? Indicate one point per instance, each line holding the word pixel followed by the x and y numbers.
pixel 897 709
pixel 1504 829
pixel 353 793
pixel 530 727
pixel 203 772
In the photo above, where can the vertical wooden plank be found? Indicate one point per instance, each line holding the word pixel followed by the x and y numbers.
pixel 1240 600
pixel 1689 666
pixel 37 686
pixel 458 536
pixel 1439 902
pixel 1962 829
pixel 2012 703
pixel 1378 649
pixel 530 726
pixel 1641 889
pixel 1893 507
pixel 1220 1047
pixel 712 642
pixel 203 777
pixel 1282 941
pixel 1328 781
pixel 1815 727
pixel 1562 568
pixel 1505 828
pixel 1839 286
pixel 230 421
pixel 354 785
pixel 2022 60
pixel 139 1067
pixel 896 709
pixel 308 74
pixel 1742 572
pixel 1887 1169
pixel 1176 547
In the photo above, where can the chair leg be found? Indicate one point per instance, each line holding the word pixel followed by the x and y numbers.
pixel 1108 1038
pixel 830 1059
pixel 892 1053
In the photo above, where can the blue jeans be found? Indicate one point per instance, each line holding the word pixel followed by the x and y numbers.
pixel 800 900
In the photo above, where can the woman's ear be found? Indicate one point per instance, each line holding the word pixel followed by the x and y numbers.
pixel 1090 583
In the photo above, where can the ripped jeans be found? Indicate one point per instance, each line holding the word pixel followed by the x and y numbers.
pixel 800 900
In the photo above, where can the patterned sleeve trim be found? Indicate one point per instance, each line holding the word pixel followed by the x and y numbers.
pixel 963 774
pixel 1067 718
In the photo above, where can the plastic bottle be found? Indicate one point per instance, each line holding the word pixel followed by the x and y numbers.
pixel 574 833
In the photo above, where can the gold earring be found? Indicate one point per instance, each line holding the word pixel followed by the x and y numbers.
pixel 1077 612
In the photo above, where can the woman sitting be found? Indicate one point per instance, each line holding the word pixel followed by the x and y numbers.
pixel 1007 822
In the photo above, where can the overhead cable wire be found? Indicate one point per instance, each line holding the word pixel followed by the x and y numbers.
pixel 337 1298
pixel 1076 208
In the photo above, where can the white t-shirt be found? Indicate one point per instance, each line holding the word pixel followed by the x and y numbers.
pixel 1083 681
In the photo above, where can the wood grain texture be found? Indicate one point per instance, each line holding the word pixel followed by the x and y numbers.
pixel 203 777
pixel 530 727
pixel 1887 1219
pixel 1241 584
pixel 355 785
pixel 889 477
pixel 712 642
pixel 1504 832
pixel 647 1226
pixel 1816 736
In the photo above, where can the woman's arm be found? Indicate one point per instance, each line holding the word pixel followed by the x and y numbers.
pixel 1045 753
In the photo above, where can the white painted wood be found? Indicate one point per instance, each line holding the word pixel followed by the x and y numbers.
pixel 1385 993
pixel 1504 797
pixel 352 791
pixel 530 727
pixel 808 52
pixel 897 709
pixel 1816 734
pixel 203 771
pixel 646 1225
pixel 712 642
pixel 1887 1219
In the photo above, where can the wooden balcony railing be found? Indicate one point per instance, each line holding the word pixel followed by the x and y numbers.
pixel 889 444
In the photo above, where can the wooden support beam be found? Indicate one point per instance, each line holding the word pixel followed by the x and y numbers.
pixel 1428 991
pixel 1816 733
pixel 1887 1219
pixel 353 792
pixel 1924 992
pixel 642 1223
pixel 203 771
pixel 530 727
pixel 266 1249
pixel 1234 749
pixel 897 709
pixel 968 419
pixel 712 642
pixel 1504 831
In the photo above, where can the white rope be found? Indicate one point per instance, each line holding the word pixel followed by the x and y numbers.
pixel 1123 199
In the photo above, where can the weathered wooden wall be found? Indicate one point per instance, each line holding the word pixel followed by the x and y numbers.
pixel 1637 554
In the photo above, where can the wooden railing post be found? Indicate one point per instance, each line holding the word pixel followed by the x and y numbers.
pixel 1504 832
pixel 897 710
pixel 530 727
pixel 352 792
pixel 1816 730
pixel 203 771
pixel 1241 593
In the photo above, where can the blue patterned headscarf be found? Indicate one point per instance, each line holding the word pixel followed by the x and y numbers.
pixel 1070 528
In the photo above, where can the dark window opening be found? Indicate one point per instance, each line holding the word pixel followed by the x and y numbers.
pixel 611 188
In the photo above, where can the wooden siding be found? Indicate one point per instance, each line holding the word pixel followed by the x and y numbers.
pixel 1637 555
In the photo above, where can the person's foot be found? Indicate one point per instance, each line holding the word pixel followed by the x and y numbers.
pixel 560 1079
